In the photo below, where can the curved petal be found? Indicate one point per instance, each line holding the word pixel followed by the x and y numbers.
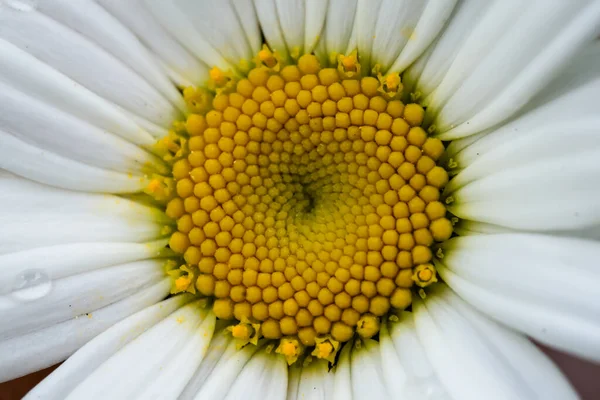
pixel 223 375
pixel 495 363
pixel 46 167
pixel 266 11
pixel 315 381
pixel 64 260
pixel 264 377
pixel 339 22
pixel 294 374
pixel 428 72
pixel 36 79
pixel 291 17
pixel 365 23
pixel 431 22
pixel 316 12
pixel 409 374
pixel 514 278
pixel 183 67
pixel 394 373
pixel 342 379
pixel 461 105
pixel 366 371
pixel 52 301
pixel 44 126
pixel 69 217
pixel 219 344
pixel 209 30
pixel 403 30
pixel 40 349
pixel 86 63
pixel 89 357
pixel 561 129
pixel 97 25
pixel 176 346
pixel 559 114
pixel 567 180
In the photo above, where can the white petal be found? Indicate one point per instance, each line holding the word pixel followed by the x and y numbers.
pixel 175 375
pixel 97 25
pixel 366 371
pixel 338 25
pixel 342 379
pixel 171 54
pixel 393 372
pixel 221 341
pixel 69 217
pixel 247 16
pixel 495 363
pixel 431 22
pixel 214 40
pixel 64 260
pixel 217 384
pixel 430 69
pixel 31 76
pixel 291 14
pixel 419 379
pixel 559 193
pixel 365 23
pixel 54 301
pixel 43 166
pixel 544 286
pixel 43 348
pixel 315 381
pixel 316 12
pixel 513 73
pixel 170 352
pixel 49 128
pixel 294 374
pixel 220 24
pixel 266 11
pixel 86 63
pixel 394 27
pixel 559 118
pixel 464 227
pixel 264 377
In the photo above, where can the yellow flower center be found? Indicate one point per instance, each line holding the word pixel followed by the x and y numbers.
pixel 307 203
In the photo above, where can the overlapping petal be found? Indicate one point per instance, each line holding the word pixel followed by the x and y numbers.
pixel 515 64
pixel 476 358
pixel 543 286
pixel 42 348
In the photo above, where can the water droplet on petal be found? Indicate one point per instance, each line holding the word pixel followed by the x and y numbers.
pixel 20 5
pixel 31 284
pixel 426 388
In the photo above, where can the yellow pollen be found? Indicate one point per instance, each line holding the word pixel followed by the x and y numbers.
pixel 217 76
pixel 291 349
pixel 267 57
pixel 424 275
pixel 305 200
pixel 348 66
pixel 154 186
pixel 182 283
pixel 323 350
pixel 241 331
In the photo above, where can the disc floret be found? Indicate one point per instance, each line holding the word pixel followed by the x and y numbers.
pixel 307 201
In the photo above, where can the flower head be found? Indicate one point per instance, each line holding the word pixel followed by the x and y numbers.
pixel 279 199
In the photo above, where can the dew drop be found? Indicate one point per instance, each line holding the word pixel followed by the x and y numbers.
pixel 31 284
pixel 20 5
pixel 426 388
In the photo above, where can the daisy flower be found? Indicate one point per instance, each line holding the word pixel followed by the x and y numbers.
pixel 289 199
